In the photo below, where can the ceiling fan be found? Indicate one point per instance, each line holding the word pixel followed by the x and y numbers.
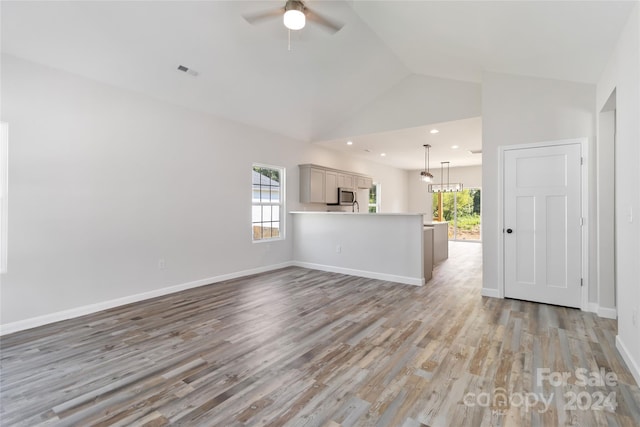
pixel 295 14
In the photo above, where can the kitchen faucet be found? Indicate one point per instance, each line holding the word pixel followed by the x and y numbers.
pixel 354 204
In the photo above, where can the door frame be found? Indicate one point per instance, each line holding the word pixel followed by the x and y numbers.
pixel 584 152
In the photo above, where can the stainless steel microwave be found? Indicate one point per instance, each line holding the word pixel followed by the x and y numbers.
pixel 346 196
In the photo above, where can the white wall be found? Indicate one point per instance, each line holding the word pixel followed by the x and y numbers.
pixel 105 182
pixel 420 200
pixel 520 110
pixel 623 74
pixel 419 197
pixel 605 200
pixel 469 176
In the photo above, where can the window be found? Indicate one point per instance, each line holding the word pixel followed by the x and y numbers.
pixel 374 199
pixel 267 202
pixel 4 188
pixel 461 210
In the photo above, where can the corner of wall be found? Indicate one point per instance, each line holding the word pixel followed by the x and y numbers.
pixel 628 359
pixel 490 292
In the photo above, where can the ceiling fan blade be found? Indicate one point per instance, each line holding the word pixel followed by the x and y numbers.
pixel 253 18
pixel 329 25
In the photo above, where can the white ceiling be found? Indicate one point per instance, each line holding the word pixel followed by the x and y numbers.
pixel 565 40
pixel 248 75
pixel 404 148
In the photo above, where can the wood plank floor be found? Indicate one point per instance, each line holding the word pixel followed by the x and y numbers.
pixel 298 347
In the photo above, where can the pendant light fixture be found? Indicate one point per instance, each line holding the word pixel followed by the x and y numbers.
pixel 425 175
pixel 442 187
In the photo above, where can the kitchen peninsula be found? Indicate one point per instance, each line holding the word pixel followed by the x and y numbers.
pixel 382 246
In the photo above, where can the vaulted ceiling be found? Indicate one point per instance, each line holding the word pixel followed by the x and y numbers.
pixel 247 73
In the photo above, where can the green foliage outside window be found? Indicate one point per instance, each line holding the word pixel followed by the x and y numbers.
pixel 274 174
pixel 466 220
pixel 373 199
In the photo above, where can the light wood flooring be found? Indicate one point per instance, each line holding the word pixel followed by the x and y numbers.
pixel 299 347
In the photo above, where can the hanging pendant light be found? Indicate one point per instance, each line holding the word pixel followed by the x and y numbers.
pixel 442 187
pixel 425 175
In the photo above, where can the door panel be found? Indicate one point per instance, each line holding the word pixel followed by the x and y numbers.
pixel 525 243
pixel 542 202
pixel 556 239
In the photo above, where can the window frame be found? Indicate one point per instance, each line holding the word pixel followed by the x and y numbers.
pixel 453 223
pixel 375 205
pixel 260 203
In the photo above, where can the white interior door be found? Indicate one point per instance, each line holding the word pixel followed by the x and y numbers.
pixel 542 224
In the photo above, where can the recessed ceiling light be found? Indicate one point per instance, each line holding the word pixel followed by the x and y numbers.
pixel 383 154
pixel 434 131
pixel 349 142
pixel 455 147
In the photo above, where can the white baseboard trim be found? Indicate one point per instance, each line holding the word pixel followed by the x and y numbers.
pixel 489 292
pixel 606 313
pixel 416 281
pixel 34 322
pixel 631 364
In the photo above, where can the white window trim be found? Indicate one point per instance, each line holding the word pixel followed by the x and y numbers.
pixel 282 203
pixel 377 203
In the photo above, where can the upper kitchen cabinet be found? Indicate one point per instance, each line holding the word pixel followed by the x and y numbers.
pixel 312 184
pixel 331 187
pixel 319 184
pixel 364 182
pixel 346 180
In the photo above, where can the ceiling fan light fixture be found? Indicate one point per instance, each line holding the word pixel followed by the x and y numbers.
pixel 294 15
pixel 294 18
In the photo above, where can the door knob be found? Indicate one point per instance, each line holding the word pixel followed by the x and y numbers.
pixel 509 230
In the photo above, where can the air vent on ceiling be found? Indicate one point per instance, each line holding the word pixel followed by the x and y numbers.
pixel 187 70
pixel 475 151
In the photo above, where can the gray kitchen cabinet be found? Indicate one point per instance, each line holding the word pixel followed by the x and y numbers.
pixel 346 180
pixel 319 184
pixel 312 184
pixel 331 187
pixel 364 182
pixel 428 253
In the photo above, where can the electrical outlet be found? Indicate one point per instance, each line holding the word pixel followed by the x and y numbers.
pixel 338 249
pixel 162 264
